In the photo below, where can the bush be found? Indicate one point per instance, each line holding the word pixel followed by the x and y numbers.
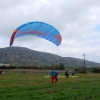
pixel 77 69
pixel 96 70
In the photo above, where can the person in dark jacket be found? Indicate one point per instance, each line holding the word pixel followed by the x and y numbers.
pixel 1 71
pixel 56 75
pixel 66 74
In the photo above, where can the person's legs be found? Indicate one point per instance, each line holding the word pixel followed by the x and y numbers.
pixel 53 79
pixel 56 79
pixel 67 75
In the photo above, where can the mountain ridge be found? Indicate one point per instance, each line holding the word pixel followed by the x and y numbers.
pixel 26 56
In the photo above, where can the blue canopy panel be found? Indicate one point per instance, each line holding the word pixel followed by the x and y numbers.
pixel 39 29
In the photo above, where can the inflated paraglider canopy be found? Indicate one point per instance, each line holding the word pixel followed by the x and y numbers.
pixel 39 29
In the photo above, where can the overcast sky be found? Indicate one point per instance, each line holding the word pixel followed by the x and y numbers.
pixel 78 22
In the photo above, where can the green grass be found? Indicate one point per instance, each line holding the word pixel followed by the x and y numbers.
pixel 30 86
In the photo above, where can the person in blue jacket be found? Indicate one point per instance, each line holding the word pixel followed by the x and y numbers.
pixel 52 75
pixel 73 72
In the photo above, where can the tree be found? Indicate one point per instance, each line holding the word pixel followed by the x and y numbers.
pixel 34 66
pixel 62 66
pixel 44 66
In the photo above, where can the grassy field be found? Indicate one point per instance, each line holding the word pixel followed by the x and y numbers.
pixel 33 85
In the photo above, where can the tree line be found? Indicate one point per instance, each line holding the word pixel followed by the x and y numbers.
pixel 34 66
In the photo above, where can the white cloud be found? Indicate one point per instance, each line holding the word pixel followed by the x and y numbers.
pixel 76 21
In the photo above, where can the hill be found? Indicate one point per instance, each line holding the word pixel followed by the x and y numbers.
pixel 22 55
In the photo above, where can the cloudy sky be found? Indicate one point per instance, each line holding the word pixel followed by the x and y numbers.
pixel 78 22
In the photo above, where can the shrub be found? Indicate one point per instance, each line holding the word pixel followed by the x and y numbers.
pixel 96 70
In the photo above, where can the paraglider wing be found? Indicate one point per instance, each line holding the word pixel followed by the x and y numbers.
pixel 39 29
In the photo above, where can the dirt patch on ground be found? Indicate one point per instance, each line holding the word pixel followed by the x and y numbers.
pixel 32 71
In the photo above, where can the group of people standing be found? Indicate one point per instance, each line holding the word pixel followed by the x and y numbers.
pixel 54 74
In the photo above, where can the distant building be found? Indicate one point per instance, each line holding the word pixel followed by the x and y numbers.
pixel 6 65
pixel 1 64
